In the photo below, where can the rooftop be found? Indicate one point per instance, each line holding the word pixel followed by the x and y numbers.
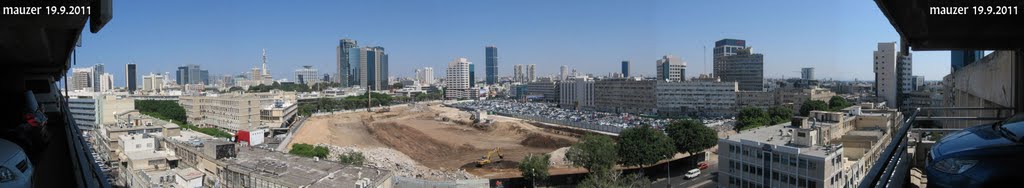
pixel 300 170
pixel 779 135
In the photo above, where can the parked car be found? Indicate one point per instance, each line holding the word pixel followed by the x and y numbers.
pixel 15 168
pixel 702 165
pixel 980 156
pixel 693 173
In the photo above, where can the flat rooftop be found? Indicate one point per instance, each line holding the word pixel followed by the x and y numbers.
pixel 298 170
pixel 771 135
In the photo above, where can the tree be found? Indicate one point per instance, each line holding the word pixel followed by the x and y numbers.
pixel 691 136
pixel 235 88
pixel 644 146
pixel 751 117
pixel 779 114
pixel 307 150
pixel 614 179
pixel 352 158
pixel 837 103
pixel 596 153
pixel 535 167
pixel 397 86
pixel 812 105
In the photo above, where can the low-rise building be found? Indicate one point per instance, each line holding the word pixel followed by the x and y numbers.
pixel 543 89
pixel 108 137
pixel 825 149
pixel 629 95
pixel 757 99
pixel 239 110
pixel 704 96
pixel 576 93
pixel 795 97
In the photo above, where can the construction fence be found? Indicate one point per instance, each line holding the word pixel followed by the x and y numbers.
pixel 407 182
pixel 588 126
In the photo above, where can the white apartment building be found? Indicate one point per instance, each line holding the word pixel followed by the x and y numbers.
pixel 885 73
pixel 457 79
pixel 106 82
pixel 425 76
pixel 518 75
pixel 826 149
pixel 671 68
pixel 531 72
pixel 563 73
pixel 705 96
pixel 576 93
pixel 153 83
pixel 81 78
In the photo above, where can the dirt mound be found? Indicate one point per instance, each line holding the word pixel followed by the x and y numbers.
pixel 413 142
pixel 501 164
pixel 545 141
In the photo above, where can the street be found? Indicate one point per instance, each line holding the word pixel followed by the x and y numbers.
pixel 678 180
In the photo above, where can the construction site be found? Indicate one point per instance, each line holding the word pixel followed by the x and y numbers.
pixel 433 142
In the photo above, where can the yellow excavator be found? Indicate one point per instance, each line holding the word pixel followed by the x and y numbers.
pixel 487 158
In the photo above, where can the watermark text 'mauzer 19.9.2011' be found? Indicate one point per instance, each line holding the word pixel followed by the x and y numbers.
pixel 974 10
pixel 48 10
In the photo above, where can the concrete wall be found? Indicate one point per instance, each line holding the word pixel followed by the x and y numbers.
pixel 986 83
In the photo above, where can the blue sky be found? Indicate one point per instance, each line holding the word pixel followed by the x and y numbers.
pixel 225 37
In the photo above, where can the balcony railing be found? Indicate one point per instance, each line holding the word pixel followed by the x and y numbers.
pixel 892 168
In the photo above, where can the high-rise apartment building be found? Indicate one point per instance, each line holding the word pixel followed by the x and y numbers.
pixel 904 74
pixel 807 73
pixel 81 78
pixel 491 56
pixel 886 81
pixel 518 75
pixel 531 72
pixel 457 79
pixel 425 76
pixel 625 69
pixel 735 62
pixel 307 75
pixel 372 65
pixel 671 68
pixel 131 76
pixel 106 82
pixel 345 69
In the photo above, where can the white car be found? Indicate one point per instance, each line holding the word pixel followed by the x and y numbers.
pixel 692 173
pixel 15 168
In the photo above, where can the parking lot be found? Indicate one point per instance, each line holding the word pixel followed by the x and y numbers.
pixel 622 120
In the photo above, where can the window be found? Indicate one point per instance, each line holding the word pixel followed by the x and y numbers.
pixel 785 159
pixel 792 162
pixel 775 175
pixel 138 146
pixel 812 184
pixel 775 157
pixel 803 163
pixel 801 182
pixel 811 165
pixel 759 171
pixel 792 180
pixel 759 155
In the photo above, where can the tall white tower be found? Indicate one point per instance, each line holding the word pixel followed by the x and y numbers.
pixel 264 61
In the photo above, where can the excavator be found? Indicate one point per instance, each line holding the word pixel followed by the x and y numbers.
pixel 487 158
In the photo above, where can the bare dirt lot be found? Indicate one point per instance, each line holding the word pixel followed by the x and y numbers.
pixel 434 136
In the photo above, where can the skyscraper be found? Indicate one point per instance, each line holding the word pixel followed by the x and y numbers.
pixel 191 74
pixel 97 72
pixel 130 77
pixel 807 73
pixel 885 73
pixel 491 56
pixel 373 66
pixel 563 73
pixel 472 75
pixel 204 77
pixel 457 79
pixel 531 72
pixel 307 75
pixel 961 58
pixel 735 62
pixel 671 68
pixel 518 75
pixel 625 68
pixel 345 76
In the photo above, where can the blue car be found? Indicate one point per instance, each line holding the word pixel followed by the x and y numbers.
pixel 990 155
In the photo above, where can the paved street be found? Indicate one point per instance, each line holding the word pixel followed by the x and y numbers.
pixel 706 178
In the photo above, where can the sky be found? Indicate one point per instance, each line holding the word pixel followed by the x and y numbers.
pixel 837 38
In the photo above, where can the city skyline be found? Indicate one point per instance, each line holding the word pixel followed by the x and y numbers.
pixel 832 42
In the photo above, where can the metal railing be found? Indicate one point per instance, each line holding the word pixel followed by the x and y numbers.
pixel 892 167
pixel 87 172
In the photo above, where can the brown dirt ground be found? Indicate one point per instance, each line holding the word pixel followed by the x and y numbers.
pixel 435 144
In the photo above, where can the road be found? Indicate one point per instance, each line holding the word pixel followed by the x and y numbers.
pixel 706 178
